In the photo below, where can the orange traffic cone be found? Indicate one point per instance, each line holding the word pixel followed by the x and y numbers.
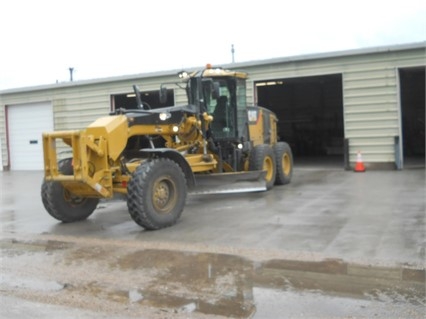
pixel 359 165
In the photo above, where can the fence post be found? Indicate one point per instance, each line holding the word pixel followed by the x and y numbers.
pixel 398 158
pixel 1 157
pixel 346 153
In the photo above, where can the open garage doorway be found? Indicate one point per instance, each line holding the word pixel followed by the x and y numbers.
pixel 310 116
pixel 152 98
pixel 412 84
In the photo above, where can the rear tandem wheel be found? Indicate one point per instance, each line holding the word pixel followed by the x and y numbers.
pixel 262 158
pixel 284 160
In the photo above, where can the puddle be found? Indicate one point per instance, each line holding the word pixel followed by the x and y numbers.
pixel 317 304
pixel 13 246
pixel 135 296
pixel 183 282
pixel 208 283
pixel 29 283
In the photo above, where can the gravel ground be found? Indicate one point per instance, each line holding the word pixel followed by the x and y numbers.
pixel 95 278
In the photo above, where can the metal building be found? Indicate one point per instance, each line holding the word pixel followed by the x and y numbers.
pixel 330 106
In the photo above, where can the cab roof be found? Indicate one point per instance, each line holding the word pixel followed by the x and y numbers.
pixel 210 71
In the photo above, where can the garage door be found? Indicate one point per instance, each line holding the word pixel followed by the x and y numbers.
pixel 26 123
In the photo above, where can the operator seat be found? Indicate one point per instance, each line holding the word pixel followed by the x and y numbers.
pixel 219 113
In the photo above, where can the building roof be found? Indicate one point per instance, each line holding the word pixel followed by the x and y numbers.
pixel 237 65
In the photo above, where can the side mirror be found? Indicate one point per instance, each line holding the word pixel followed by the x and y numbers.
pixel 163 95
pixel 216 90
pixel 138 97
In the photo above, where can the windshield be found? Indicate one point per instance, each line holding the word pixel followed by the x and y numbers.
pixel 227 105
pixel 222 108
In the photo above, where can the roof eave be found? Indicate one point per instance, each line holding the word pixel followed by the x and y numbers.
pixel 305 57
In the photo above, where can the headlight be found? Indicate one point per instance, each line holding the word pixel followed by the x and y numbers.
pixel 164 116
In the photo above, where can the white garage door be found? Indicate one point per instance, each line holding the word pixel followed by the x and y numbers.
pixel 26 123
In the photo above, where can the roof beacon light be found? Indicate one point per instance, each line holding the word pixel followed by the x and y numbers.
pixel 183 74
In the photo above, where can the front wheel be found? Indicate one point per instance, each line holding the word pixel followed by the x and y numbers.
pixel 262 158
pixel 65 206
pixel 156 194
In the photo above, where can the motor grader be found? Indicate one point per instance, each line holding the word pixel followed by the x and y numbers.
pixel 154 157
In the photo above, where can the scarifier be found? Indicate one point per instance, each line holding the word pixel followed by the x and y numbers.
pixel 155 157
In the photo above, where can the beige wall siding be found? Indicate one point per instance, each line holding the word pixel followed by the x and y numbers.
pixel 371 110
pixel 180 97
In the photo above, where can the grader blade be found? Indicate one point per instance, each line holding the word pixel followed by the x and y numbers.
pixel 228 183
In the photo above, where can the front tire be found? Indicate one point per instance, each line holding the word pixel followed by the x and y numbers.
pixel 157 194
pixel 262 158
pixel 61 204
pixel 65 206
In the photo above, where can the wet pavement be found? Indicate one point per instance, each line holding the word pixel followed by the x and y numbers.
pixel 332 244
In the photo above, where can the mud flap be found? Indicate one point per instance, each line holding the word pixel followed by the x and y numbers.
pixel 228 183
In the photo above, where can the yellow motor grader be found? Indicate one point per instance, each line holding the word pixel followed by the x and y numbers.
pixel 155 157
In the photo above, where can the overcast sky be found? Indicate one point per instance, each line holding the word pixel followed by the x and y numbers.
pixel 41 39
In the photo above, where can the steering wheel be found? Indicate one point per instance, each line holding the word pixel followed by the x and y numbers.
pixel 144 105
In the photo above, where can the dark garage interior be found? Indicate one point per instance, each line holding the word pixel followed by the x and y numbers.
pixel 412 85
pixel 310 114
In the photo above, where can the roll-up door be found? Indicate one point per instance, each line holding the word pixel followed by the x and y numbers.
pixel 26 123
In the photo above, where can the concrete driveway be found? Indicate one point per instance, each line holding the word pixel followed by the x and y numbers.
pixel 359 226
pixel 377 216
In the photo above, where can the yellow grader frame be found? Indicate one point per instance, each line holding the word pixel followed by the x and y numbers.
pixel 107 158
